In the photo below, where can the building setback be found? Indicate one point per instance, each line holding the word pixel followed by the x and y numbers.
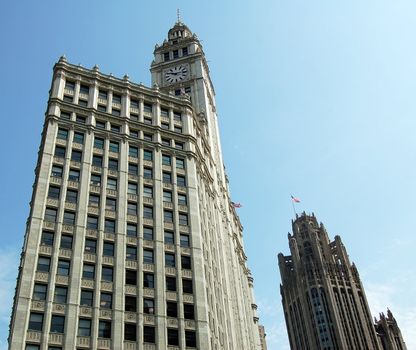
pixel 322 295
pixel 132 240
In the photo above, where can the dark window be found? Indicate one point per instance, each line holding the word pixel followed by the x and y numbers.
pixel 110 204
pixel 147 256
pixel 132 230
pixel 131 253
pixel 60 295
pixel 168 216
pixel 73 175
pixel 148 137
pixel 131 188
pixel 104 329
pixel 90 246
pixel 39 291
pixel 63 268
pixel 187 286
pixel 186 262
pixel 183 219
pixel 184 240
pixel 54 192
pixel 167 177
pixel 134 133
pixel 102 108
pixel 57 171
pixel 82 103
pixel 131 208
pixel 130 304
pixel 88 271
pixel 76 156
pixel 181 181
pixel 35 322
pixel 47 238
pixel 169 237
pixel 167 196
pixel 65 115
pixel 166 160
pixel 149 334
pixel 171 284
pixel 134 116
pixel 166 56
pixel 184 51
pixel 133 169
pixel 68 98
pixel 175 54
pixel 66 242
pixel 114 147
pixel 32 347
pixel 171 309
pixel 164 113
pixel 148 212
pixel 148 120
pixel 177 116
pixel 188 311
pixel 106 300
pixel 182 200
pixel 99 143
pixel 60 152
pixel 133 152
pixel 100 124
pixel 116 98
pixel 179 145
pixel 112 184
pixel 50 214
pixel 148 233
pixel 178 129
pixel 147 173
pixel 109 226
pixel 130 332
pixel 170 259
pixel 102 95
pixel 84 89
pixel 180 163
pixel 113 164
pixel 69 218
pixel 79 138
pixel 71 196
pixel 84 328
pixel 165 126
pixel 115 128
pixel 62 134
pixel 43 264
pixel 190 339
pixel 148 192
pixel 165 142
pixel 148 280
pixel 108 249
pixel 69 85
pixel 148 306
pixel 147 155
pixel 107 274
pixel 173 338
pixel 147 108
pixel 131 277
pixel 97 161
pixel 92 223
pixel 134 104
pixel 57 324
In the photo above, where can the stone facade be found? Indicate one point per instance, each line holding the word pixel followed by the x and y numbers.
pixel 132 240
pixel 388 331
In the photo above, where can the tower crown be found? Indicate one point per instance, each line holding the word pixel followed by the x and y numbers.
pixel 179 31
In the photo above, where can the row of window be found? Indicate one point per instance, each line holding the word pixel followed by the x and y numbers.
pixel 171 55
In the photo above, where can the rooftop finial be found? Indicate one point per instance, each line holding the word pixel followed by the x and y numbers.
pixel 178 14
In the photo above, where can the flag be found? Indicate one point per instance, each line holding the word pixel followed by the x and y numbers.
pixel 236 205
pixel 295 200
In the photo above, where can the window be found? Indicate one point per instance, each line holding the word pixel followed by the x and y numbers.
pixel 63 268
pixel 114 147
pixel 187 286
pixel 104 329
pixel 50 214
pixel 132 230
pixel 54 192
pixel 164 113
pixel 88 271
pixel 147 173
pixel 111 183
pixel 113 164
pixel 92 222
pixel 73 175
pixel 102 108
pixel 171 309
pixel 188 311
pixel 179 145
pixel 57 324
pixel 148 280
pixel 131 208
pixel 147 212
pixel 169 237
pixel 130 332
pixel 184 51
pixel 148 137
pixel 110 204
pixel 60 152
pixel 32 347
pixel 94 200
pixel 132 188
pixel 171 284
pixel 147 155
pixel 47 238
pixel 100 125
pixel 84 89
pixel 66 242
pixel 182 200
pixel 134 133
pixel 76 156
pixel 134 104
pixel 98 143
pixel 184 240
pixel 165 126
pixel 57 171
pixel 177 92
pixel 35 322
pixel 169 260
pixel 43 264
pixel 86 297
pixel 147 256
pixel 149 334
pixel 106 300
pixel 131 253
pixel 108 249
pixel 131 277
pixel 90 246
pixel 97 160
pixel 133 169
pixel 115 128
pixel 107 274
pixel 186 262
pixel 147 108
pixel 80 119
pixel 39 291
pixel 82 103
pixel 62 134
pixel 133 152
pixel 116 99
pixel 65 115
pixel 175 54
pixel 78 138
pixel 134 116
pixel 68 98
pixel 149 306
pixel 167 196
pixel 148 192
pixel 71 196
pixel 84 327
pixel 190 339
pixel 181 181
pixel 167 177
pixel 168 216
pixel 148 120
pixel 165 142
pixel 180 163
pixel 166 160
pixel 177 116
pixel 148 233
pixel 102 94
pixel 69 85
pixel 60 295
pixel 166 56
pixel 173 338
pixel 183 219
pixel 130 304
pixel 69 218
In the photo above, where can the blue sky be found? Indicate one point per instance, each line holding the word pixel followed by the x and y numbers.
pixel 315 99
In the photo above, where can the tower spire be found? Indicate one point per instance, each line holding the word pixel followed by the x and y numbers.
pixel 178 14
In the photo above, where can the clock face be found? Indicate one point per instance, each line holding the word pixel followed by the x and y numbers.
pixel 176 74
